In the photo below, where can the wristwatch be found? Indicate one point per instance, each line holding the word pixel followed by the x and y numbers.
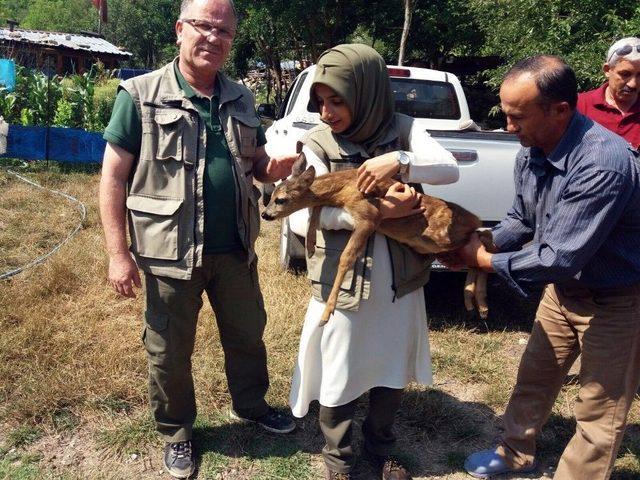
pixel 403 161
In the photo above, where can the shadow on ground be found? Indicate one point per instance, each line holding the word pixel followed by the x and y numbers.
pixel 434 429
pixel 508 311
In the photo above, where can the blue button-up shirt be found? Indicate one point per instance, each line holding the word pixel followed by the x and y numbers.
pixel 580 210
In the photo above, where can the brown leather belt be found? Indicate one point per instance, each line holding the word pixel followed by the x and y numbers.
pixel 576 291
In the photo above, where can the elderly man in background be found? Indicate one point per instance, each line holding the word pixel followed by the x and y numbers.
pixel 574 226
pixel 184 145
pixel 616 104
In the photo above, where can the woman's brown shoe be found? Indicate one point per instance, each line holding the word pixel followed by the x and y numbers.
pixel 390 468
pixel 331 475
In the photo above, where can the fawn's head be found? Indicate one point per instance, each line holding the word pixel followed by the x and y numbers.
pixel 292 194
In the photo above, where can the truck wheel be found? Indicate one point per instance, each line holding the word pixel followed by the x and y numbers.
pixel 292 255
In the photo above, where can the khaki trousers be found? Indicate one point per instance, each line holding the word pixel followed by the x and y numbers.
pixel 336 424
pixel 605 328
pixel 169 335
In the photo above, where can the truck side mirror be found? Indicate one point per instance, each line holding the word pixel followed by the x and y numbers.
pixel 267 110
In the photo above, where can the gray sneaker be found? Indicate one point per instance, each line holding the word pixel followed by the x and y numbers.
pixel 178 459
pixel 272 421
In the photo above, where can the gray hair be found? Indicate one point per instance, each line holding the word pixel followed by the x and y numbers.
pixel 613 57
pixel 187 3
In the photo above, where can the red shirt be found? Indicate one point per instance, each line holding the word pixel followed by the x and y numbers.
pixel 593 105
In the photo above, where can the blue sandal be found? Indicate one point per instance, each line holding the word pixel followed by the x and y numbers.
pixel 486 463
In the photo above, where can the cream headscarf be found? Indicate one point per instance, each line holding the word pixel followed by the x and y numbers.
pixel 358 74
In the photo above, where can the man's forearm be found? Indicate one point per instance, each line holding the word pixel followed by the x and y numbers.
pixel 260 163
pixel 113 213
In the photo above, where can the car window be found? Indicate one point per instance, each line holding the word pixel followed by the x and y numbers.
pixel 293 93
pixel 425 98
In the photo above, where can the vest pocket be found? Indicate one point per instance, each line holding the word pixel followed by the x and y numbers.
pixel 170 130
pixel 323 266
pixel 245 130
pixel 155 226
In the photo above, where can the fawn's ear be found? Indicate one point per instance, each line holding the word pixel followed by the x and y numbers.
pixel 299 165
pixel 308 176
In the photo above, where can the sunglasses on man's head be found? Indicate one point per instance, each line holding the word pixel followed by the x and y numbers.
pixel 624 50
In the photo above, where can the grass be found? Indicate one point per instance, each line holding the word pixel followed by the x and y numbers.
pixel 19 469
pixel 23 435
pixel 73 372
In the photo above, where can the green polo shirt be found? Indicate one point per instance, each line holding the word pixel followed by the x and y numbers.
pixel 219 187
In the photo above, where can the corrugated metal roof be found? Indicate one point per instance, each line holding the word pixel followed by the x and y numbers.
pixel 67 40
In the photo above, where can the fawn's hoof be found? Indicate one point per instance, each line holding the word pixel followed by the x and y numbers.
pixel 324 318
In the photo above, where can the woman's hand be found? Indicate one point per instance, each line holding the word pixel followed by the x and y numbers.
pixel 400 201
pixel 377 169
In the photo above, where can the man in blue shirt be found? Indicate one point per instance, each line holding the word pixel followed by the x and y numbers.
pixel 574 226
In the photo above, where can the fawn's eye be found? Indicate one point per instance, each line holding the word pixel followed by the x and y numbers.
pixel 280 201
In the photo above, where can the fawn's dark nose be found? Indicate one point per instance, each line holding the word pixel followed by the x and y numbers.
pixel 266 216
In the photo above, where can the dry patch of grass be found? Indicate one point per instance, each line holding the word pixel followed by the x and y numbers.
pixel 73 371
pixel 32 222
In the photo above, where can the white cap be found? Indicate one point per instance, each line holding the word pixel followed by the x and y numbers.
pixel 613 57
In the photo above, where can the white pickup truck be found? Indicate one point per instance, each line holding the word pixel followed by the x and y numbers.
pixel 436 100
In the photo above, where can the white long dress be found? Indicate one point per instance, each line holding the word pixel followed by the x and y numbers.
pixel 385 342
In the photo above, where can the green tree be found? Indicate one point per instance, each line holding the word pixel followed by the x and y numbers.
pixel 60 15
pixel 144 27
pixel 580 31
pixel 444 28
pixel 13 9
pixel 274 30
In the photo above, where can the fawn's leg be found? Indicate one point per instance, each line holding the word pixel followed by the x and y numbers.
pixel 480 294
pixel 470 288
pixel 314 221
pixel 354 247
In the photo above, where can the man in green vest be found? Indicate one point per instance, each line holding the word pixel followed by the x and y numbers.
pixel 183 147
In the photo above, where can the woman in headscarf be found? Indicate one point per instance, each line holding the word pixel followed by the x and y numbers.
pixel 376 340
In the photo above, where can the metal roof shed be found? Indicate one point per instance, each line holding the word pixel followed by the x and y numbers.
pixel 58 52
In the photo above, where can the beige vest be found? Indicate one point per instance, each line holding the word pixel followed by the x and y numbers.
pixel 165 192
pixel 410 269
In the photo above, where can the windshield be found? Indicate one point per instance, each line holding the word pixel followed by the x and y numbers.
pixel 425 98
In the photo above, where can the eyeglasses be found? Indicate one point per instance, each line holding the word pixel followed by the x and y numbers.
pixel 623 51
pixel 207 29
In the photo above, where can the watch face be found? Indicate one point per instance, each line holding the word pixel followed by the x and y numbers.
pixel 403 160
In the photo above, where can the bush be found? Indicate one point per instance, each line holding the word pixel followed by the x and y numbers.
pixel 104 96
pixel 77 101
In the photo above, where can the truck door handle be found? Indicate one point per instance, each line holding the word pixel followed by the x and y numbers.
pixel 464 156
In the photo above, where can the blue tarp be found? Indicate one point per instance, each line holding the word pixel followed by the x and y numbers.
pixel 65 144
pixel 7 74
pixel 127 73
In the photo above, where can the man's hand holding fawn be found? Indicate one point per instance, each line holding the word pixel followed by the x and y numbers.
pixel 279 168
pixel 473 254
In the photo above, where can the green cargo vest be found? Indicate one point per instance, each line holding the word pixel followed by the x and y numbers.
pixel 410 269
pixel 165 203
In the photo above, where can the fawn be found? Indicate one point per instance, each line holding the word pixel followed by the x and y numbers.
pixel 442 227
